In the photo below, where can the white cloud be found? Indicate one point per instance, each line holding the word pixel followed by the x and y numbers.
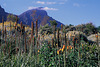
pixel 29 8
pixel 47 8
pixel 76 5
pixel 50 3
pixel 42 2
pixel 42 8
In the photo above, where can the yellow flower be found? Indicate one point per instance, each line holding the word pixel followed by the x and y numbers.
pixel 58 52
pixel 62 49
pixel 38 51
pixel 71 48
pixel 82 44
pixel 56 44
pixel 70 34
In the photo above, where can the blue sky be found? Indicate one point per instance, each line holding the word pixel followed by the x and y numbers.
pixel 66 11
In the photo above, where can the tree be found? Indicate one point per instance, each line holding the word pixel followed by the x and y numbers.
pixel 70 25
pixel 11 17
pixel 91 28
pixel 98 28
pixel 53 23
pixel 46 29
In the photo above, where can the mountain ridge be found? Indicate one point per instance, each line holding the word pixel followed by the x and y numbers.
pixel 3 14
pixel 31 16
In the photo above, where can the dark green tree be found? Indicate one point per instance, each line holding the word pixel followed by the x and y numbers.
pixel 98 28
pixel 91 28
pixel 11 17
pixel 53 23
pixel 70 25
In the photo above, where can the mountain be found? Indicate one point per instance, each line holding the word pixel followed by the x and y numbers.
pixel 31 15
pixel 38 13
pixel 3 14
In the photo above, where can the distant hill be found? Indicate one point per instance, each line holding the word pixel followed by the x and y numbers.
pixel 32 15
pixel 3 14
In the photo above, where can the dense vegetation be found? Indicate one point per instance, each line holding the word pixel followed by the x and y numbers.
pixel 48 46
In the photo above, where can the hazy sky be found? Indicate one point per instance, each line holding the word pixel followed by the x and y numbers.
pixel 66 11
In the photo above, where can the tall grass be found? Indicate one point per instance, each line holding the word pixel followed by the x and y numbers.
pixel 24 51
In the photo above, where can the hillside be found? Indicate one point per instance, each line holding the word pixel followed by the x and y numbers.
pixel 32 15
pixel 3 14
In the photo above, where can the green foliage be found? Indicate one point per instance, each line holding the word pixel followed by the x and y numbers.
pixel 53 23
pixel 91 28
pixel 48 57
pixel 70 25
pixel 98 28
pixel 43 54
pixel 87 58
pixel 11 17
pixel 88 28
pixel 46 29
pixel 18 61
pixel 86 31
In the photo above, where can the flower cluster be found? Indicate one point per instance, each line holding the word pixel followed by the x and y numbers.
pixel 69 47
pixel 63 48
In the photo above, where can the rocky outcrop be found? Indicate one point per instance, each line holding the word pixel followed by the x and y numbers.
pixel 93 38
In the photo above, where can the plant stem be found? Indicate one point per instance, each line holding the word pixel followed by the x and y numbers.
pixel 64 59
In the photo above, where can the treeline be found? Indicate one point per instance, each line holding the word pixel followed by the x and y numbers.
pixel 87 28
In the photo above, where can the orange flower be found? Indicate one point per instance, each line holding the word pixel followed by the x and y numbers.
pixel 67 47
pixel 60 49
pixel 63 46
pixel 96 36
pixel 58 52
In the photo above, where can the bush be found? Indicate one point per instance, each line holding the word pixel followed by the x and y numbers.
pixel 46 30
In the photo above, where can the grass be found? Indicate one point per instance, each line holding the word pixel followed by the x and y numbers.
pixel 20 50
